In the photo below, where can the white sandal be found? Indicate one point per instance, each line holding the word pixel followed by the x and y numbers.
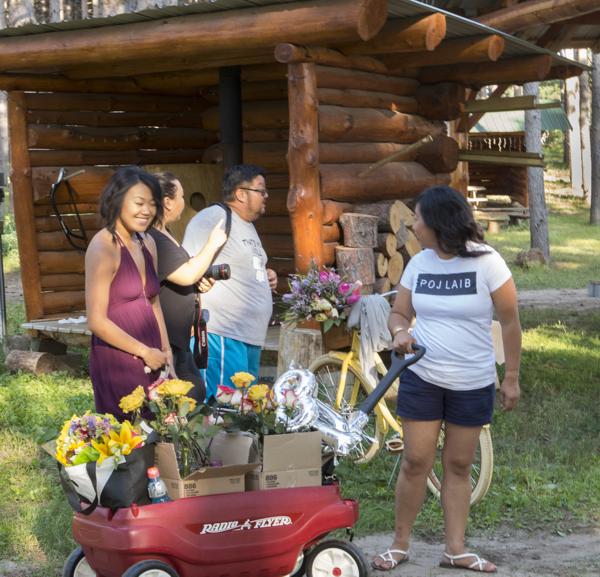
pixel 388 557
pixel 477 565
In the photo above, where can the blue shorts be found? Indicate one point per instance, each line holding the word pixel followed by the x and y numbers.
pixel 225 358
pixel 423 401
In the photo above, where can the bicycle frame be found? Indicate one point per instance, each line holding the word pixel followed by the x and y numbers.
pixel 387 420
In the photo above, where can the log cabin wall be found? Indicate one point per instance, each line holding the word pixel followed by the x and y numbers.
pixel 92 133
pixel 364 115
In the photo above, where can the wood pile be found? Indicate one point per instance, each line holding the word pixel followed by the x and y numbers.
pixel 378 243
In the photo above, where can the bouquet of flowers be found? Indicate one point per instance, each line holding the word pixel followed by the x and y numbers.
pixel 322 295
pixel 247 407
pixel 174 417
pixel 94 438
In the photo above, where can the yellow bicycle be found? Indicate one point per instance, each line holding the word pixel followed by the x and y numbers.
pixel 342 384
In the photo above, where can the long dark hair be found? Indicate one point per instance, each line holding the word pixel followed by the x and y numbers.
pixel 445 211
pixel 168 188
pixel 111 200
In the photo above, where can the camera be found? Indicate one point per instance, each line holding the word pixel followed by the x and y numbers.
pixel 218 272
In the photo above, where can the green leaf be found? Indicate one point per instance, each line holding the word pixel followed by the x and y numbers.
pixel 328 324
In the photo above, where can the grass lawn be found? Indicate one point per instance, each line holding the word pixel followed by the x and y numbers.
pixel 574 248
pixel 547 453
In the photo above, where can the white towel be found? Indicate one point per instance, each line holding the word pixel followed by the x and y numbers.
pixel 371 314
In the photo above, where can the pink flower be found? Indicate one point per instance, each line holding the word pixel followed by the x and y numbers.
pixel 212 420
pixel 170 419
pixel 153 389
pixel 355 296
pixel 344 288
pixel 225 394
pixel 323 276
pixel 247 406
pixel 291 398
pixel 236 398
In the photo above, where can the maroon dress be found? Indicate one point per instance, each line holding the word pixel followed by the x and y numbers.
pixel 114 372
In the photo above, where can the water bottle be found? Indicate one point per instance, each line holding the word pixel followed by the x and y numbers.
pixel 157 490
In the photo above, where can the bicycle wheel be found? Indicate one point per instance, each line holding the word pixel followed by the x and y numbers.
pixel 481 472
pixel 327 370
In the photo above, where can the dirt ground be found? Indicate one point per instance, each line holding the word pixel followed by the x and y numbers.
pixel 517 553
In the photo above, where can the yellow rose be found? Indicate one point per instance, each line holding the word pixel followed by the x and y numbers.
pixel 174 388
pixel 133 401
pixel 242 380
pixel 258 392
pixel 191 403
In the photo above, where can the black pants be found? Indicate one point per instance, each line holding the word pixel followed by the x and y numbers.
pixel 186 370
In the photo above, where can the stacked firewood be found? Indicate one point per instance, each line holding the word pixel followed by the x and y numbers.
pixel 378 242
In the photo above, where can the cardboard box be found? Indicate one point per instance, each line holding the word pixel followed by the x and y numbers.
pixel 291 460
pixel 204 481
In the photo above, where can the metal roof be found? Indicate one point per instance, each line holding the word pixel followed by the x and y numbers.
pixel 456 26
pixel 514 121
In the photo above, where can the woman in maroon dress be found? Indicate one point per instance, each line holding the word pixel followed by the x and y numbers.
pixel 129 342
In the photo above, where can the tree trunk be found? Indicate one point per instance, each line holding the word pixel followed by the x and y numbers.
pixel 595 142
pixel 387 244
pixel 585 97
pixel 35 362
pixel 387 213
pixel 538 221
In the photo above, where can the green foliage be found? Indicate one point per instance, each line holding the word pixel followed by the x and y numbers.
pixel 574 248
pixel 10 247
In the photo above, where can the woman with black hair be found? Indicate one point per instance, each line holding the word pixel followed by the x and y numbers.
pixel 129 338
pixel 179 276
pixel 451 289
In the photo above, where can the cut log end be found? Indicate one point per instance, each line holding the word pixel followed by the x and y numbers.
pixel 372 17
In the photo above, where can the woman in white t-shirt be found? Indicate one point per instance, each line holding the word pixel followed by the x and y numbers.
pixel 452 288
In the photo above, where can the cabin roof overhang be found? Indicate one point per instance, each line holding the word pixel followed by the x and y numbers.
pixel 58 50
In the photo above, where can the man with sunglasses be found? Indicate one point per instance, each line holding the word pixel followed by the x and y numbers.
pixel 240 307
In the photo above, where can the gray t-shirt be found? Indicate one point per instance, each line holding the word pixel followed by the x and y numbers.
pixel 241 306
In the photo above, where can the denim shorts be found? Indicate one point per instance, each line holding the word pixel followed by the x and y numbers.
pixel 423 401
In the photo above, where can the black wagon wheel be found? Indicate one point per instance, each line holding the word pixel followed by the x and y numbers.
pixel 76 565
pixel 150 568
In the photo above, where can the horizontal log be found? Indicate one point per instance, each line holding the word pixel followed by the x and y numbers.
pixel 63 302
pixel 99 118
pixel 282 246
pixel 266 135
pixel 78 158
pixel 63 281
pixel 199 35
pixel 330 77
pixel 117 138
pixel 381 265
pixel 58 241
pixel 86 186
pixel 62 262
pixel 114 102
pixel 444 101
pixel 266 90
pixel 332 210
pixel 272 156
pixel 357 152
pixel 366 99
pixel 412 246
pixel 51 224
pixel 289 53
pixel 38 363
pixel 403 35
pixel 386 244
pixel 562 72
pixel 255 114
pixel 387 213
pixel 283 267
pixel 392 181
pixel 454 51
pixel 509 71
pixel 395 268
pixel 59 83
pixel 439 155
pixel 382 285
pixel 44 208
pixel 281 225
pixel 372 125
pixel 407 216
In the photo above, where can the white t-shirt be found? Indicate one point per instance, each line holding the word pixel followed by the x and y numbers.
pixel 454 309
pixel 240 307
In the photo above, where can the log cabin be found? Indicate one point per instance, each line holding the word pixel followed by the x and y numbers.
pixel 346 103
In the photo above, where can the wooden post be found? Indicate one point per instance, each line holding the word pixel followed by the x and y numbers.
pixel 22 191
pixel 304 197
pixel 230 114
